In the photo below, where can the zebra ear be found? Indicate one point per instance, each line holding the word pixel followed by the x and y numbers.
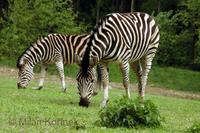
pixel 21 62
pixel 77 59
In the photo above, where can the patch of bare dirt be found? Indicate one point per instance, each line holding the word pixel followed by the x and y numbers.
pixel 13 73
pixel 162 91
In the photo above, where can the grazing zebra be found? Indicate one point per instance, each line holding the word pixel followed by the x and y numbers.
pixel 54 48
pixel 129 39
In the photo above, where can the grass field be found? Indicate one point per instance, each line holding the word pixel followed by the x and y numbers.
pixel 49 110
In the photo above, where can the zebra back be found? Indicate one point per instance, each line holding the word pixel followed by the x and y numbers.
pixel 120 37
pixel 53 47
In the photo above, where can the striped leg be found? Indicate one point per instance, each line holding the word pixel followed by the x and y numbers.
pixel 42 77
pixel 125 74
pixel 146 66
pixel 60 69
pixel 99 79
pixel 137 68
pixel 105 82
pixel 98 84
pixel 43 74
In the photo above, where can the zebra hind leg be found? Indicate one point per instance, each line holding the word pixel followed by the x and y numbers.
pixel 146 66
pixel 137 68
pixel 60 68
pixel 43 74
pixel 125 74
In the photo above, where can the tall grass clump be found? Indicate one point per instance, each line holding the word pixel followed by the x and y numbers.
pixel 131 114
pixel 195 128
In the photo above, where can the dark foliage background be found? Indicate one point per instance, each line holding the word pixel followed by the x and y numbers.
pixel 22 22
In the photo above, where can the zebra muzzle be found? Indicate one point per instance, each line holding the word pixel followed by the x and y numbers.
pixel 19 86
pixel 84 102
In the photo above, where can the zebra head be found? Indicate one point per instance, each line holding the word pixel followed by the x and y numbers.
pixel 86 86
pixel 25 73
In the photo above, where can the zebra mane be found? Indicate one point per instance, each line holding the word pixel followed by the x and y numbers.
pixel 86 58
pixel 20 58
pixel 18 62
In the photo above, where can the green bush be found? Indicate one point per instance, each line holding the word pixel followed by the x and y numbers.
pixel 195 128
pixel 78 124
pixel 28 20
pixel 131 113
pixel 179 30
pixel 174 48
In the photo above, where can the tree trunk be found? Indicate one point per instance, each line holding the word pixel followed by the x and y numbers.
pixel 158 7
pixel 98 10
pixel 76 5
pixel 132 5
pixel 193 47
pixel 117 5
pixel 122 6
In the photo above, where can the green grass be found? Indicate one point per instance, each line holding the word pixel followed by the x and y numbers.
pixel 11 62
pixel 41 108
pixel 174 78
pixel 167 77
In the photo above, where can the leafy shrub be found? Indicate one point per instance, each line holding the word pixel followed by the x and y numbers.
pixel 195 128
pixel 131 113
pixel 179 30
pixel 174 48
pixel 78 124
pixel 28 20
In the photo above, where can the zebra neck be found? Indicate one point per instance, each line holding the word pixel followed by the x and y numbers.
pixel 98 50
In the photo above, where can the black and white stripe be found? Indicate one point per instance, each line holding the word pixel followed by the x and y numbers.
pixel 130 39
pixel 55 49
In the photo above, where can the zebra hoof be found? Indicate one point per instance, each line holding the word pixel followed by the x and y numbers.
pixel 64 90
pixel 104 103
pixel 38 88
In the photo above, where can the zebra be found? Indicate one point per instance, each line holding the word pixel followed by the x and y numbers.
pixel 55 49
pixel 128 39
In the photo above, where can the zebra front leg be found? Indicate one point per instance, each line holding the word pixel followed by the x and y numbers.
pixel 60 68
pixel 105 82
pixel 43 74
pixel 125 74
